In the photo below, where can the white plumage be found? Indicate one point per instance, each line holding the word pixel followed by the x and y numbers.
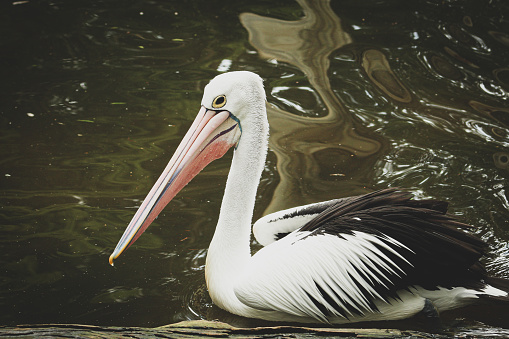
pixel 381 256
pixel 267 228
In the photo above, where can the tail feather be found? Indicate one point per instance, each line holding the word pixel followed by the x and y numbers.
pixel 497 289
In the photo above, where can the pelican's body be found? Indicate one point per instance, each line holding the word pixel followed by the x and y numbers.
pixel 380 256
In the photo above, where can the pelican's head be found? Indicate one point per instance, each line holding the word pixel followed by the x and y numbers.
pixel 234 92
pixel 227 107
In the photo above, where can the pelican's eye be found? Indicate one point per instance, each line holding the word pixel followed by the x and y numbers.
pixel 219 101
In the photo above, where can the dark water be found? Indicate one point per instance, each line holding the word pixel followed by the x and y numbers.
pixel 95 96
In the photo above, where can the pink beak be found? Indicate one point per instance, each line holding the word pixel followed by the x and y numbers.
pixel 209 137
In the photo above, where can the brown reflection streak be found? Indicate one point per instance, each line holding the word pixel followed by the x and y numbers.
pixel 501 160
pixel 503 38
pixel 498 113
pixel 458 57
pixel 444 68
pixel 377 67
pixel 502 76
pixel 307 44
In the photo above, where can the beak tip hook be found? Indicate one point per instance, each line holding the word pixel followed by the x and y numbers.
pixel 111 260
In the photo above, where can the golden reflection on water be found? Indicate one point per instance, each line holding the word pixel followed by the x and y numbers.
pixel 498 113
pixel 307 44
pixel 379 72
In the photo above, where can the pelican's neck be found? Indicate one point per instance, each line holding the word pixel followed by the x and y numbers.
pixel 230 246
pixel 233 229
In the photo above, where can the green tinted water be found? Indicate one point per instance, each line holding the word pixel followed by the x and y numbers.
pixel 96 96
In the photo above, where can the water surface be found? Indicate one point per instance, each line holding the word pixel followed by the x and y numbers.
pixel 361 96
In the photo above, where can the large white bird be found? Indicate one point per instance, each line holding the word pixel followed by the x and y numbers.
pixel 379 256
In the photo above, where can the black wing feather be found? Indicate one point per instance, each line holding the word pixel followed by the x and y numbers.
pixel 438 251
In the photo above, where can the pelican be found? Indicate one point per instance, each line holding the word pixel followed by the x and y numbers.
pixel 373 257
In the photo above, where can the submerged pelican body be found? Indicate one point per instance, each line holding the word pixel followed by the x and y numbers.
pixel 379 256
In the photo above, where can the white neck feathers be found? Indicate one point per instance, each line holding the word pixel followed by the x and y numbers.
pixel 230 247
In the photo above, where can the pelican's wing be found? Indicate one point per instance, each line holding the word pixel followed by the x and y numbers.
pixel 278 225
pixel 359 254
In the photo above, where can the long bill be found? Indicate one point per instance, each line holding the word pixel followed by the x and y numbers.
pixel 209 137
